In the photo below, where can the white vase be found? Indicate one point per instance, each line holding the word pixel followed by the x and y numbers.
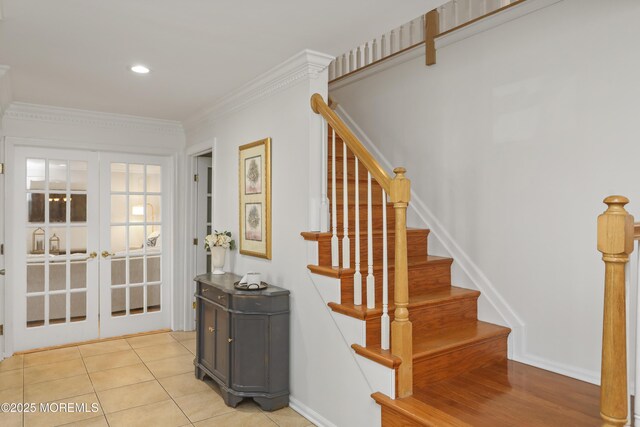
pixel 217 259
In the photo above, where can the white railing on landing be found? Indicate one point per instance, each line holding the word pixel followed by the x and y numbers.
pixel 452 14
pixel 401 38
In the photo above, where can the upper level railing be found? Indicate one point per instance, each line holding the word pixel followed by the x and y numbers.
pixel 396 336
pixel 421 30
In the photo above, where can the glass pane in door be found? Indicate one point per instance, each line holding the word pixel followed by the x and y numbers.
pixel 136 249
pixel 56 241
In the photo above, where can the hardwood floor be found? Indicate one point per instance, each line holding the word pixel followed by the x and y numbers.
pixel 509 393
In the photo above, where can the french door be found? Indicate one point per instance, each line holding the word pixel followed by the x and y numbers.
pixel 134 284
pixel 56 270
pixel 88 231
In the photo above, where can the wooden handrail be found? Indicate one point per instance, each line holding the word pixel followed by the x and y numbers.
pixel 377 172
pixel 615 241
pixel 399 190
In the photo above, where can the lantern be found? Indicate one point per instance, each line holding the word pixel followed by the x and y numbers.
pixel 54 245
pixel 37 241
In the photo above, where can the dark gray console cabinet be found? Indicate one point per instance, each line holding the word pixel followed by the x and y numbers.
pixel 243 340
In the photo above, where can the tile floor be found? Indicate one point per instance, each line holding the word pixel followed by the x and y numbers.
pixel 141 381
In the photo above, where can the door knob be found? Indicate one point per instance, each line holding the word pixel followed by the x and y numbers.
pixel 92 255
pixel 2 272
pixel 229 339
pixel 107 254
pixel 211 329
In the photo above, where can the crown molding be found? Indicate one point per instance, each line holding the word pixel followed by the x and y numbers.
pixel 305 65
pixel 92 119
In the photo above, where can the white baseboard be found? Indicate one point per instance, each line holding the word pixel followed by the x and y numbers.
pixel 309 413
pixel 559 368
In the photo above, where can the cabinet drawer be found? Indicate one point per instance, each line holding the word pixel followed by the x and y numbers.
pixel 213 294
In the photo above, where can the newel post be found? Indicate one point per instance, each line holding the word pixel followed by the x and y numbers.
pixel 401 329
pixel 615 241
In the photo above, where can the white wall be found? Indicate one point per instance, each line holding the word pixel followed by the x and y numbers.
pixel 326 384
pixel 512 141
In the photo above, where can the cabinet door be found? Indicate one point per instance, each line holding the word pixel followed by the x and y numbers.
pixel 250 353
pixel 221 346
pixel 206 338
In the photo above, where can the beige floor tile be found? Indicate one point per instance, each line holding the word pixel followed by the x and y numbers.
pixel 183 384
pixel 90 410
pixel 171 366
pixel 10 419
pixel 54 371
pixel 202 405
pixel 287 417
pixel 119 377
pixel 57 389
pixel 149 340
pixel 12 395
pixel 121 398
pixel 238 419
pixel 161 414
pixel 162 351
pixel 111 360
pixel 184 335
pixel 100 421
pixel 190 345
pixel 95 349
pixel 51 356
pixel 11 379
pixel 11 363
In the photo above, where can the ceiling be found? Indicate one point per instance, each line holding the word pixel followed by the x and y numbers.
pixel 77 53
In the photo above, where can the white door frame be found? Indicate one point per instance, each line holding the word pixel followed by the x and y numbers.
pixel 190 226
pixel 3 208
pixel 176 155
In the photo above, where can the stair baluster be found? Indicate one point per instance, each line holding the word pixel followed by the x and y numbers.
pixel 384 339
pixel 335 256
pixel 346 246
pixel 344 64
pixel 351 63
pixel 412 33
pixel 392 42
pixel 374 48
pixel 366 54
pixel 324 206
pixel 358 58
pixel 357 276
pixel 383 47
pixel 371 281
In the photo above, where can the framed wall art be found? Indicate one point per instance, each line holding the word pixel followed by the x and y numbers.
pixel 255 198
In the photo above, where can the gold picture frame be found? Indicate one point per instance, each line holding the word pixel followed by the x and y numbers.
pixel 254 188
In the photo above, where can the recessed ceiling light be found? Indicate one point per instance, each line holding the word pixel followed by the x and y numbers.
pixel 140 69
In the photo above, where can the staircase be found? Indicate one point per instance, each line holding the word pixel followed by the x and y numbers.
pixel 457 364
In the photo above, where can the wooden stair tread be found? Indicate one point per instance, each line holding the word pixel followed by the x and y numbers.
pixel 432 297
pixel 448 339
pixel 418 412
pixel 444 340
pixel 508 393
pixel 338 272
pixel 315 236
